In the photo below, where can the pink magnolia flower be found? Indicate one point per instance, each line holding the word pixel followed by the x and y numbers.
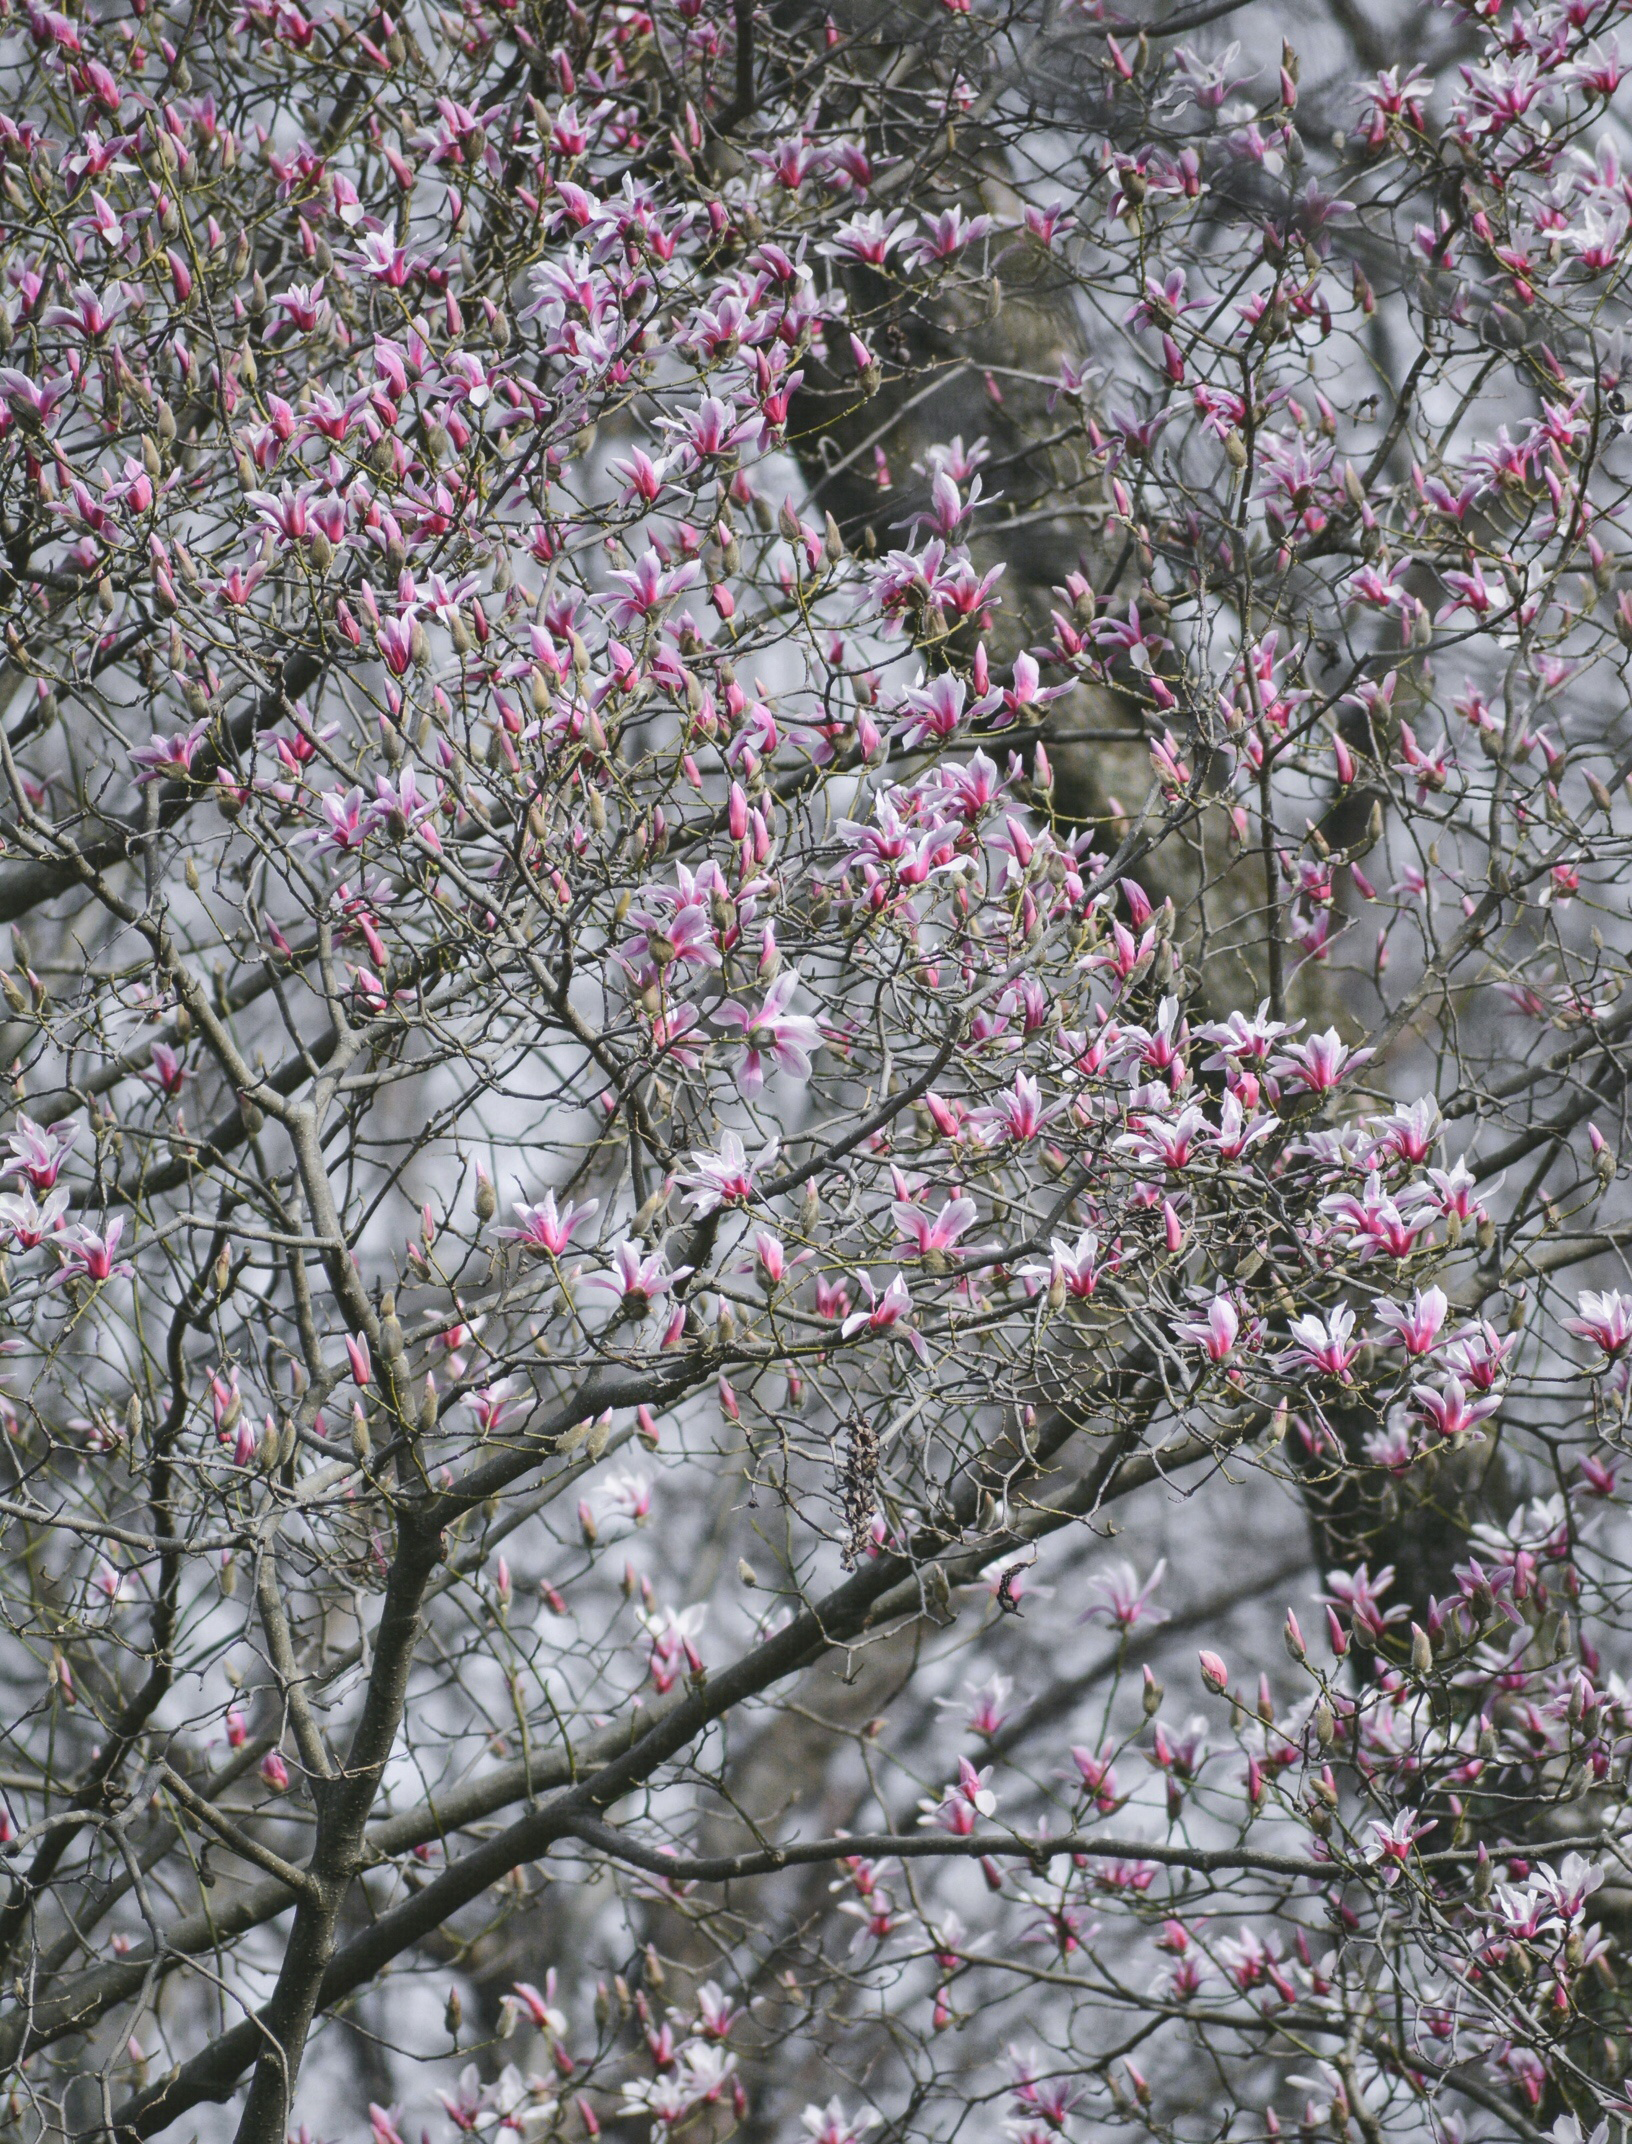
pixel 882 1311
pixel 946 235
pixel 1376 1220
pixel 715 2015
pixel 1121 1599
pixel 168 758
pixel 33 400
pixel 541 2008
pixel 1449 1409
pixel 1162 1142
pixel 627 1496
pixel 492 1405
pixel 967 1798
pixel 668 932
pixel 1605 1319
pixel 1479 1354
pixel 167 1072
pixel 1217 1332
pixel 545 1231
pixel 1324 1343
pixel 932 1234
pixel 26 1225
pixel 639 1277
pixel 772 1031
pixel 1360 1594
pixel 1321 1063
pixel 1415 1326
pixel 348 819
pixel 1019 1114
pixel 1098 1775
pixel 1409 1133
pixel 1237 1130
pixel 275 1772
pixel 983 1705
pixel 87 1256
pixel 1241 1041
pixel 1074 1269
pixel 648 588
pixel 725 1178
pixel 1391 1843
pixel 831 2125
pixel 871 237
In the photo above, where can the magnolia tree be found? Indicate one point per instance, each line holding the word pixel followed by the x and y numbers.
pixel 645 1104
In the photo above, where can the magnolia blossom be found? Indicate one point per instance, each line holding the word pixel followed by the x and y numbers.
pixel 726 1178
pixel 967 1798
pixel 1391 1843
pixel 1321 1063
pixel 639 1277
pixel 24 1223
pixel 1415 1326
pixel 1121 1599
pixel 700 2072
pixel 1072 1269
pixel 38 1152
pixel 772 1031
pixel 1605 1319
pixel 1216 1332
pixel 884 1311
pixel 1360 1594
pixel 1448 1407
pixel 87 1256
pixel 1324 1344
pixel 831 2125
pixel 545 1231
pixel 929 1234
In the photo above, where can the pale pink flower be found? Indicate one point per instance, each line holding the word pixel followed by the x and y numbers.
pixel 772 1031
pixel 1121 1599
pixel 1605 1319
pixel 1216 1332
pixel 38 1152
pixel 638 1277
pixel 1415 1326
pixel 544 1230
